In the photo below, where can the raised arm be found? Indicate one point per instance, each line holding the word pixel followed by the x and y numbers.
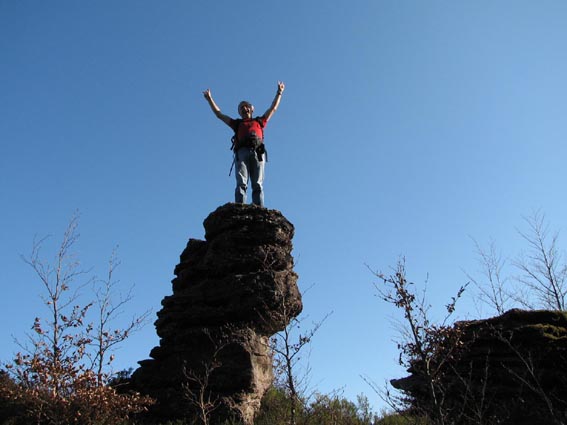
pixel 216 110
pixel 274 106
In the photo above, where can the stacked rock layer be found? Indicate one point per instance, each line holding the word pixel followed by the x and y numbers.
pixel 231 292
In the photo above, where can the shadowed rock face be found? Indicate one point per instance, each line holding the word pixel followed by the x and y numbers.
pixel 509 370
pixel 231 293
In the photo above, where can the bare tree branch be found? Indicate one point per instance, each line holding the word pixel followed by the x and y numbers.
pixel 542 267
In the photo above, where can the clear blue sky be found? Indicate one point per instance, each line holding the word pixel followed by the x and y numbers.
pixel 406 128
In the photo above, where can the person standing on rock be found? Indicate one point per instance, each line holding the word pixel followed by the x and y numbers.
pixel 248 145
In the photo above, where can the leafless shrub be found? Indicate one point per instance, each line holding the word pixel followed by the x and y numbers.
pixel 55 382
pixel 425 347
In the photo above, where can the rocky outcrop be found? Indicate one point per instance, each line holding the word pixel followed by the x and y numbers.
pixel 231 292
pixel 507 370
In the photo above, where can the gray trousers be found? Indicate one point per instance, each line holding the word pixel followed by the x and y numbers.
pixel 248 167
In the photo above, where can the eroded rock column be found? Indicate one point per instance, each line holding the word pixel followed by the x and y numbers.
pixel 231 292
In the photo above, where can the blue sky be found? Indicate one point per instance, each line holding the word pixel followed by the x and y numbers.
pixel 406 128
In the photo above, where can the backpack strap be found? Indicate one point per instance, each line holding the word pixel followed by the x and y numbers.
pixel 234 138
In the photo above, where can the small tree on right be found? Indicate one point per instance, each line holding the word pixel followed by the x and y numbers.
pixel 542 266
pixel 426 348
pixel 540 277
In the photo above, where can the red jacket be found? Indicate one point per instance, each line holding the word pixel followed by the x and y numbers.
pixel 247 129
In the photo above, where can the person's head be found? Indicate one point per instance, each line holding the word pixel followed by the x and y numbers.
pixel 245 109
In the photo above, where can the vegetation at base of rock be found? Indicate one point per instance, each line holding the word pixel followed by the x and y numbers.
pixel 399 419
pixel 321 409
pixel 324 410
